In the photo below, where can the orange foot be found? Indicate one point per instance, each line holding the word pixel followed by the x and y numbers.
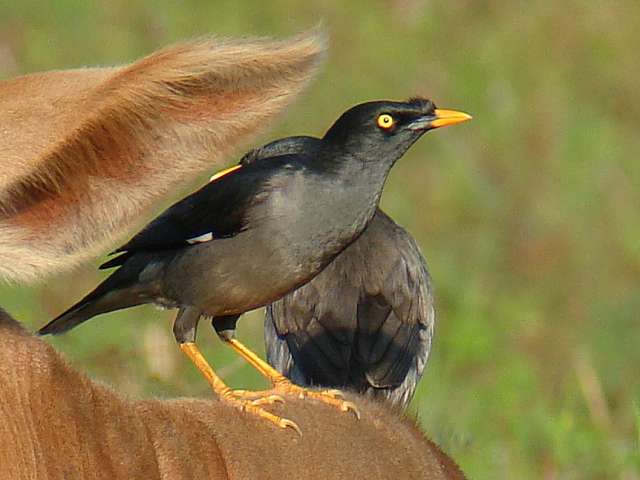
pixel 281 384
pixel 250 402
pixel 262 397
pixel 238 398
pixel 330 397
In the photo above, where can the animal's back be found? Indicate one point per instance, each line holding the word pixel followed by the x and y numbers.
pixel 58 424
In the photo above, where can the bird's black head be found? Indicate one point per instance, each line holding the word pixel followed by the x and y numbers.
pixel 386 129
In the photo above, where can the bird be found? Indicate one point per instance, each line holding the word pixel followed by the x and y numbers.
pixel 366 322
pixel 254 233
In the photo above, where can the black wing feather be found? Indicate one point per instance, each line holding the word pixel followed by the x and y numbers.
pixel 218 207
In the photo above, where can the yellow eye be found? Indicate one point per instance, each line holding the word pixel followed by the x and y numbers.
pixel 385 121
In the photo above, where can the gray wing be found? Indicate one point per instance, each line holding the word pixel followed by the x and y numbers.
pixel 278 353
pixel 231 196
pixel 364 323
pixel 396 322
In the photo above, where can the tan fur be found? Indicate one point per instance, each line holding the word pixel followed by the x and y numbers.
pixel 58 424
pixel 85 154
pixel 96 148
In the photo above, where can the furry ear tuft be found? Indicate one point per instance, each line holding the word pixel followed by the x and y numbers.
pixel 88 152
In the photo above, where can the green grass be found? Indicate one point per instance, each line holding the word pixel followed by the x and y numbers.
pixel 529 215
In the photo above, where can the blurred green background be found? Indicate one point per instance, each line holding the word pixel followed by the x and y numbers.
pixel 529 216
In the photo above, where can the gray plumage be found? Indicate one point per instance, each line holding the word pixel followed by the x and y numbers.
pixel 365 323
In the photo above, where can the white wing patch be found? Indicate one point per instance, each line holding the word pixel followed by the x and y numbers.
pixel 207 237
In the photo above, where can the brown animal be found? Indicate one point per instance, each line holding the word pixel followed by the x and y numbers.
pixel 85 156
pixel 55 423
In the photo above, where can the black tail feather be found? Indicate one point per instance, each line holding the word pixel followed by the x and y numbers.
pixel 66 321
pixel 120 290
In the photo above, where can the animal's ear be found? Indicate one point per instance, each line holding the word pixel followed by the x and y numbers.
pixel 86 153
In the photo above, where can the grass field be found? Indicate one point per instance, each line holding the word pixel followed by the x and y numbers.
pixel 529 216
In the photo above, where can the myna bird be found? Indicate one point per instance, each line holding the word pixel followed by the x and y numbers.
pixel 259 231
pixel 365 323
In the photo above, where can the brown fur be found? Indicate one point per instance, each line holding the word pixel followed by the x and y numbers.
pixel 56 423
pixel 87 152
pixel 96 148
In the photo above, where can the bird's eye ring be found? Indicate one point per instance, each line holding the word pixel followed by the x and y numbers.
pixel 385 121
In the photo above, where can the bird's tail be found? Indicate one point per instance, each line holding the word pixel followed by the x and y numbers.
pixel 118 291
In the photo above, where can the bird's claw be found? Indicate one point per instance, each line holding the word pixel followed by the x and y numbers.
pixel 257 397
pixel 346 406
pixel 286 423
pixel 237 398
pixel 268 400
pixel 331 397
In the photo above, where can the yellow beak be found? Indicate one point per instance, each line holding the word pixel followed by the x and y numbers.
pixel 445 118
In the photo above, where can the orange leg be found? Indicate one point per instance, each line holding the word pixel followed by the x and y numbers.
pixel 230 396
pixel 282 384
